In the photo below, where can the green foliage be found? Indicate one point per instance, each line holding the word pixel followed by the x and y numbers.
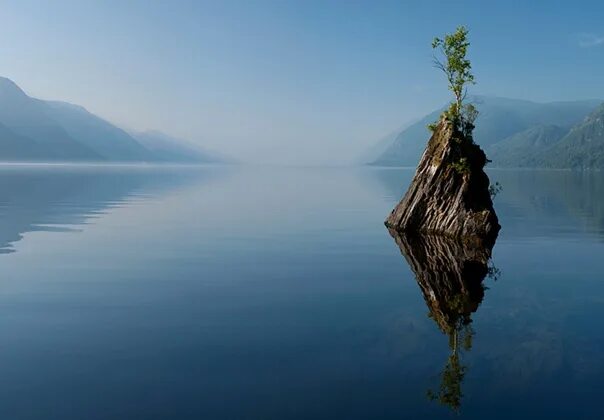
pixel 462 166
pixel 449 392
pixel 495 189
pixel 460 338
pixel 469 113
pixel 432 127
pixel 453 49
pixel 457 68
pixel 493 272
pixel 451 113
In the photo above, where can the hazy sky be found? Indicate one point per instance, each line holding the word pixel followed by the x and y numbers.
pixel 291 81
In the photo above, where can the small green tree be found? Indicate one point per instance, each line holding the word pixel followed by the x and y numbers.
pixel 453 49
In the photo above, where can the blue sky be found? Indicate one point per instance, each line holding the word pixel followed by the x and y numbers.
pixel 291 81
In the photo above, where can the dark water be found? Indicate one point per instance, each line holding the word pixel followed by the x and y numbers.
pixel 274 293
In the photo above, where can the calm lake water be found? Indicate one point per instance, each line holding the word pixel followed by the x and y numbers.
pixel 277 293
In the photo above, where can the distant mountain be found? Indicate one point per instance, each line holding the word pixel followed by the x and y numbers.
pixel 35 130
pixel 523 148
pixel 108 141
pixel 41 136
pixel 581 148
pixel 408 145
pixel 379 147
pixel 170 149
pixel 15 147
pixel 500 119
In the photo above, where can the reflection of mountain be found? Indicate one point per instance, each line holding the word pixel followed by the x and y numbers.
pixel 48 199
pixel 551 202
pixel 450 277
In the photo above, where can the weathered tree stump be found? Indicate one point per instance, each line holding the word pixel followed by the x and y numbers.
pixel 449 194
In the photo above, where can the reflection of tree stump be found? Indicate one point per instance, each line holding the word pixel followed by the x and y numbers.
pixel 450 275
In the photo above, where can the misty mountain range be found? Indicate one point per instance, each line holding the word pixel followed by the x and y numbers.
pixel 517 133
pixel 514 133
pixel 34 130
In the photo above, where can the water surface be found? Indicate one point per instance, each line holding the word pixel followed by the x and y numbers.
pixel 274 293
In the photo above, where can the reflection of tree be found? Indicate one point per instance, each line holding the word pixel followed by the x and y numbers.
pixel 449 393
pixel 450 275
pixel 460 338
